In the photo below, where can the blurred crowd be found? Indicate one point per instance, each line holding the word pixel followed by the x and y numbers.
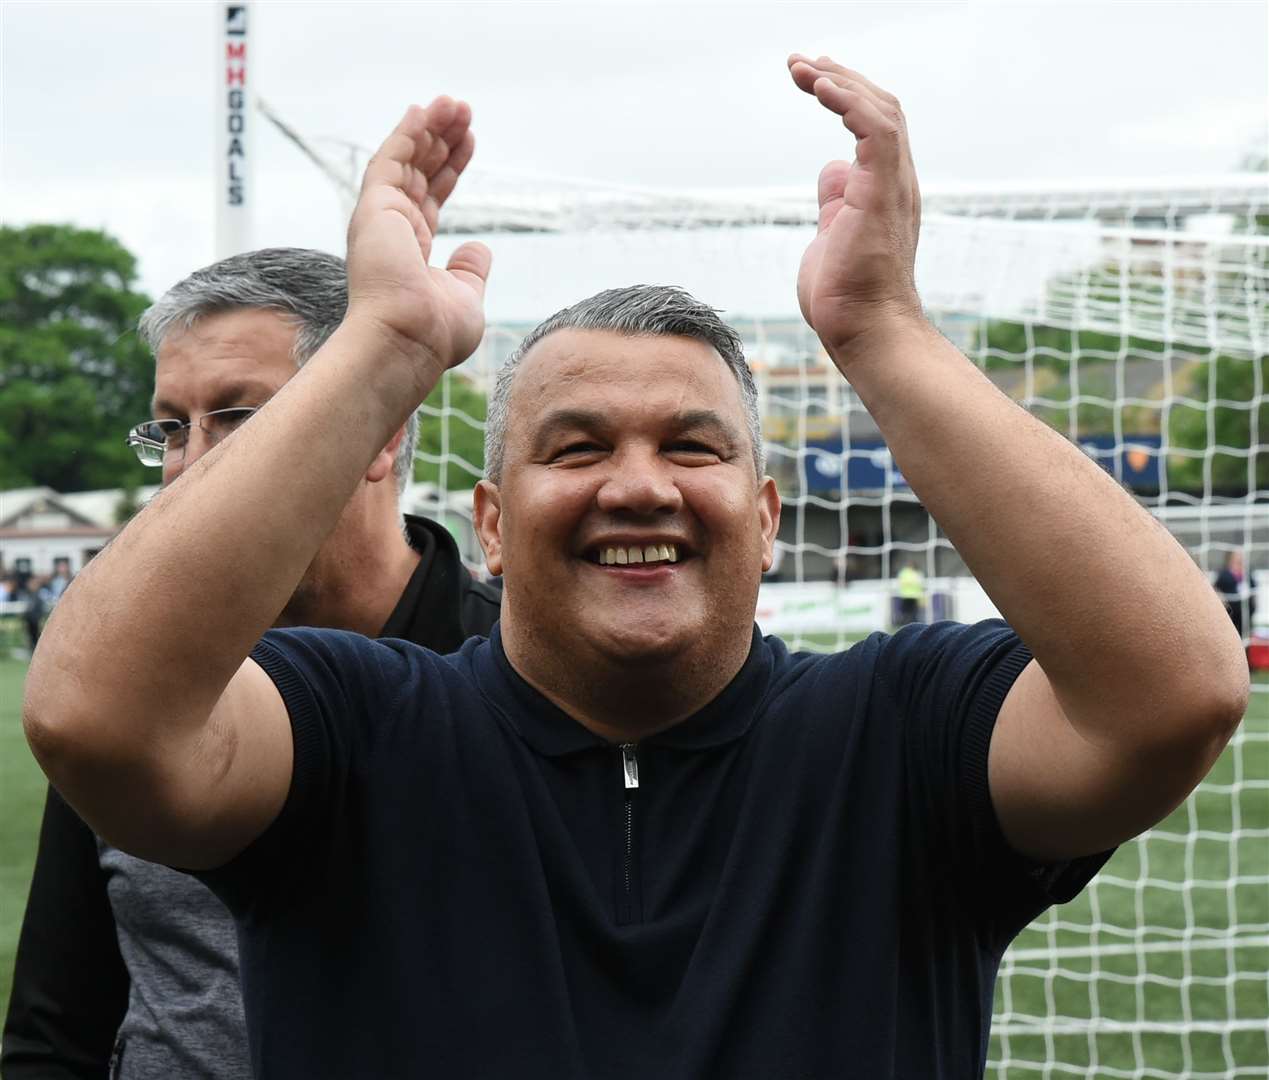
pixel 31 596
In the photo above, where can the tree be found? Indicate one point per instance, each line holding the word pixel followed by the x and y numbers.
pixel 454 404
pixel 1217 421
pixel 74 376
pixel 1074 369
pixel 1229 456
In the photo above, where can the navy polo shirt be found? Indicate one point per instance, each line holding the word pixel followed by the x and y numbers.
pixel 805 879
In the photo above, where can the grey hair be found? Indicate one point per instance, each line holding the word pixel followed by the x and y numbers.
pixel 307 287
pixel 634 310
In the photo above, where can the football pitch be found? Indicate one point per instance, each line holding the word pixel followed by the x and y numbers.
pixel 1167 953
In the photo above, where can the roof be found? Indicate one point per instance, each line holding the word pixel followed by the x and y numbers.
pixel 95 509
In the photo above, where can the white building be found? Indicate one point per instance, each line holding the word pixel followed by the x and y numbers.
pixel 38 525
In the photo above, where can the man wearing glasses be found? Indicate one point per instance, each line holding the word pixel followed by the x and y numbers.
pixel 125 959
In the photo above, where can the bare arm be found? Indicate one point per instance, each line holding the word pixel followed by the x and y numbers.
pixel 140 703
pixel 1099 738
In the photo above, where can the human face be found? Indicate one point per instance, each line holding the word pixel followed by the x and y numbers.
pixel 231 359
pixel 618 442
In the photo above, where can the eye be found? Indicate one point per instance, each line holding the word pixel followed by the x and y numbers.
pixel 577 449
pixel 693 452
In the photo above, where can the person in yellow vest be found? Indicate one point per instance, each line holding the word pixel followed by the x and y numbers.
pixel 911 585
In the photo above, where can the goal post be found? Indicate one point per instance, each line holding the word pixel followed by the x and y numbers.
pixel 1132 317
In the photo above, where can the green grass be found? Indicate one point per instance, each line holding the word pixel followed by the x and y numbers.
pixel 1151 892
pixel 21 802
pixel 1122 961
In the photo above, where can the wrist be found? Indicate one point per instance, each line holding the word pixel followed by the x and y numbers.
pixel 376 355
pixel 887 331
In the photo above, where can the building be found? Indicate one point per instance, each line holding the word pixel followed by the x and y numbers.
pixel 39 525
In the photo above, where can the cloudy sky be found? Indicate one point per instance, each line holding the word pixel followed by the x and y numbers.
pixel 108 107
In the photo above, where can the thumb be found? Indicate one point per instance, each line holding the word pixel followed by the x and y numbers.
pixel 470 262
pixel 830 191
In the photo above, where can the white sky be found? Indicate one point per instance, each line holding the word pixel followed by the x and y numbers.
pixel 106 117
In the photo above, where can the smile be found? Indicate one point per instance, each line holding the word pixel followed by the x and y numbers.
pixel 638 553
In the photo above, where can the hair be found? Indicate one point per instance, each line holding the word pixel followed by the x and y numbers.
pixel 308 288
pixel 635 310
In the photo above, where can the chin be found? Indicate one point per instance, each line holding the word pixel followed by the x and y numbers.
pixel 648 645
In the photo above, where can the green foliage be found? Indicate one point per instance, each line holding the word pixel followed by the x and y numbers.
pixel 73 374
pixel 1068 367
pixel 1231 394
pixel 455 409
pixel 1218 408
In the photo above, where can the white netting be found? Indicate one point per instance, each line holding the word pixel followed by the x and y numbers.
pixel 1134 318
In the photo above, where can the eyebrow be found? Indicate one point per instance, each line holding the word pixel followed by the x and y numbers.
pixel 560 420
pixel 236 393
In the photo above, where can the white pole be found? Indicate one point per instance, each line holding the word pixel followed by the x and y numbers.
pixel 235 124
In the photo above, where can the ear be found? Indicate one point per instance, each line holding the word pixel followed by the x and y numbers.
pixel 487 518
pixel 382 465
pixel 769 517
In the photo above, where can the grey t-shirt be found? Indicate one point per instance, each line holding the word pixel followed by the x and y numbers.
pixel 179 942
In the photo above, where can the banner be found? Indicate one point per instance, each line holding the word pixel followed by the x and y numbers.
pixel 234 126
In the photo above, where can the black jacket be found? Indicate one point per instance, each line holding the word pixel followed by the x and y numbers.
pixel 70 984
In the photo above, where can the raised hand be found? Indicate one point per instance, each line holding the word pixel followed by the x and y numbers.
pixel 435 314
pixel 857 274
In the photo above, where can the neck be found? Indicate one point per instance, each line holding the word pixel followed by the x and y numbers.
pixel 356 580
pixel 619 699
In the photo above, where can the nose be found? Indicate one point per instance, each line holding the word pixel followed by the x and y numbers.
pixel 197 443
pixel 639 482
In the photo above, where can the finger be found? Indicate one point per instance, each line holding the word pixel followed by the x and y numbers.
pixel 457 129
pixel 879 137
pixel 442 184
pixel 826 66
pixel 411 142
pixel 446 121
pixel 387 163
pixel 804 73
pixel 885 105
pixel 470 263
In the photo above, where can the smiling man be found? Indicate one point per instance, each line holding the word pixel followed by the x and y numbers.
pixel 627 836
pixel 636 430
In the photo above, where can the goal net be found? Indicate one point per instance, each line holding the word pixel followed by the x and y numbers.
pixel 1134 319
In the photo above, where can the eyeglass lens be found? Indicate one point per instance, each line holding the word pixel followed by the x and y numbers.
pixel 156 440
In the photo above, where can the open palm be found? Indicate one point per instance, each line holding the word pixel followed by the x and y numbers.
pixel 439 312
pixel 859 267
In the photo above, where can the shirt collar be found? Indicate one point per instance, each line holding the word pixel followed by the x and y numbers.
pixel 428 612
pixel 552 732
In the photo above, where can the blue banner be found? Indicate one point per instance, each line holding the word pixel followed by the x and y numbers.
pixel 868 466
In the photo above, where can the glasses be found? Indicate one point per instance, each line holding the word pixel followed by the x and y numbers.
pixel 159 442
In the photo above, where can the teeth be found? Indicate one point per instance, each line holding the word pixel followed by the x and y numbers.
pixel 651 553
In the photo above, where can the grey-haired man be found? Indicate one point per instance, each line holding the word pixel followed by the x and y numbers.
pixel 127 960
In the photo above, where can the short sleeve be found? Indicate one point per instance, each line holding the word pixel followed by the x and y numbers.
pixel 343 694
pixel 948 681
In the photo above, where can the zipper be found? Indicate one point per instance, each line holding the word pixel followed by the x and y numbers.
pixel 630 780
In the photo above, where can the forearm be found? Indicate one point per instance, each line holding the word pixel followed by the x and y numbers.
pixel 1093 584
pixel 141 647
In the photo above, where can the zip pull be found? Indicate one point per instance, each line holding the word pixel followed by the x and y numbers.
pixel 630 764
